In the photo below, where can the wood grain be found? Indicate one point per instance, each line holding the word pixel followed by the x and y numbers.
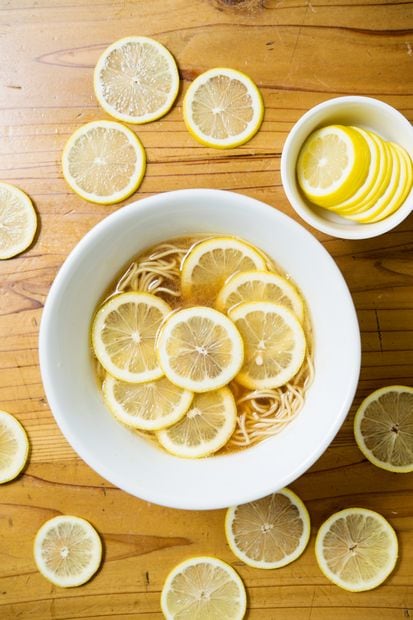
pixel 299 53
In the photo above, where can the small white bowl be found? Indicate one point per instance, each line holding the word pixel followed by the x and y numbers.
pixel 364 112
pixel 132 463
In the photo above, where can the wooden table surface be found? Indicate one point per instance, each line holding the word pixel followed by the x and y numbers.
pixel 299 53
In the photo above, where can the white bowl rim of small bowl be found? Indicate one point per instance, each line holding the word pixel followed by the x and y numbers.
pixel 368 113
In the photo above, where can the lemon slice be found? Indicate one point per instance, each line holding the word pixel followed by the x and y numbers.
pixel 210 263
pixel 383 428
pixel 259 286
pixel 223 108
pixel 67 551
pixel 205 428
pixel 136 80
pixel 14 447
pixel 200 349
pixel 332 165
pixel 104 162
pixel 18 221
pixel 405 185
pixel 274 344
pixel 356 549
pixel 123 336
pixel 380 184
pixel 392 194
pixel 372 174
pixel 203 588
pixel 270 532
pixel 148 406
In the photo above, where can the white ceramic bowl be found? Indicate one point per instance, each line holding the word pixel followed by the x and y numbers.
pixel 361 111
pixel 130 462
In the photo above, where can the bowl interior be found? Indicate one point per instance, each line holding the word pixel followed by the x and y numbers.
pixel 117 453
pixel 364 112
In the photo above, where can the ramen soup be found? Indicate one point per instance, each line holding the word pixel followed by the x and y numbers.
pixel 203 345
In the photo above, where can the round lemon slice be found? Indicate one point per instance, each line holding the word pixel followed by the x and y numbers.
pixel 203 588
pixel 223 108
pixel 148 406
pixel 210 263
pixel 259 286
pixel 270 532
pixel 200 349
pixel 18 221
pixel 136 80
pixel 383 428
pixel 205 428
pixel 14 447
pixel 332 165
pixel 123 336
pixel 356 549
pixel 104 162
pixel 274 344
pixel 67 551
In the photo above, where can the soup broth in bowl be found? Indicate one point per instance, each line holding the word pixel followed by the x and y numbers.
pixel 225 374
pixel 138 463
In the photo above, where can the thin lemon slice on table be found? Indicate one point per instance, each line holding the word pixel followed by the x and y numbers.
pixel 18 221
pixel 223 108
pixel 205 428
pixel 123 336
pixel 136 80
pixel 67 551
pixel 210 263
pixel 333 163
pixel 200 349
pixel 274 344
pixel 356 549
pixel 203 588
pixel 383 428
pixel 269 532
pixel 259 286
pixel 392 194
pixel 14 447
pixel 104 162
pixel 147 406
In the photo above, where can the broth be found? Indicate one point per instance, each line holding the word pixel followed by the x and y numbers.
pixel 261 413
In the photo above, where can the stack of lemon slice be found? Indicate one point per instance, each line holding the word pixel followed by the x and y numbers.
pixel 354 172
pixel 168 371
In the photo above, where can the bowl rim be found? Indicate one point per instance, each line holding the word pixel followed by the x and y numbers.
pixel 79 444
pixel 361 231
